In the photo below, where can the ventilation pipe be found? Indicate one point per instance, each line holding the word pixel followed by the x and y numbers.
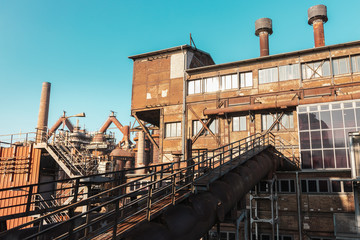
pixel 317 16
pixel 263 28
pixel 41 128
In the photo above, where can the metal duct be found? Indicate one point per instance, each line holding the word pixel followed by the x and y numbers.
pixel 194 219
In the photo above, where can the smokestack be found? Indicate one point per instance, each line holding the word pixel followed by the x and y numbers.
pixel 43 112
pixel 317 16
pixel 263 28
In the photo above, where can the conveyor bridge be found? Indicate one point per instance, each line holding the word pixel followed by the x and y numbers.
pixel 204 188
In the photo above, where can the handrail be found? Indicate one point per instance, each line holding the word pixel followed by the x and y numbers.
pixel 173 185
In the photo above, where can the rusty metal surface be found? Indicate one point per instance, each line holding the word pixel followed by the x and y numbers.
pixel 319 36
pixel 317 12
pixel 19 166
pixel 43 111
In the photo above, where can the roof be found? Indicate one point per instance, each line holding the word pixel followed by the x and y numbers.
pixel 167 50
pixel 273 57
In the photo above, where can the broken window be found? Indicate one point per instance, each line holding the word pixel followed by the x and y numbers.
pixel 197 126
pixel 316 69
pixel 173 129
pixel 286 121
pixel 239 123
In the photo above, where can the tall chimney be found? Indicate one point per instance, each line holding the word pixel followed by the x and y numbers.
pixel 317 16
pixel 263 28
pixel 43 112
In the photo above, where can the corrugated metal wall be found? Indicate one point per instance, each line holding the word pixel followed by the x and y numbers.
pixel 18 166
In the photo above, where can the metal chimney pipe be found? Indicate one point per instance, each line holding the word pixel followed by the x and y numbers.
pixel 263 28
pixel 317 16
pixel 43 112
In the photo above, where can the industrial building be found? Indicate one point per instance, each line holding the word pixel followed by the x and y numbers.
pixel 263 148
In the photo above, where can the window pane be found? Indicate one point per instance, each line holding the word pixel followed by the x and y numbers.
pixel 315 139
pixel 306 159
pixel 314 120
pixel 340 158
pixel 317 159
pixel 284 186
pixel 228 82
pixel 304 140
pixel 337 118
pixel 323 186
pixel 304 122
pixel 178 129
pixel 326 68
pixel 339 138
pixel 312 185
pixel 329 160
pixel 327 139
pixel 344 66
pixel 191 87
pixel 168 130
pixel 248 79
pixel 303 186
pixel 243 123
pixel 349 117
pixel 197 86
pixel 292 186
pixel 347 186
pixel 336 186
pixel 173 130
pixel 325 120
pixel 236 123
pixel 235 81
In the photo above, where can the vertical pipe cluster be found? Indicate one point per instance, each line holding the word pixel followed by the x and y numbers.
pixel 263 28
pixel 317 16
pixel 43 112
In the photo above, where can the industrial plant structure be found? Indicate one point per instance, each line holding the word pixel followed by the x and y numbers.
pixel 263 148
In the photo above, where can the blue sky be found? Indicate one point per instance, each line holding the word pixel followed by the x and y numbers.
pixel 82 46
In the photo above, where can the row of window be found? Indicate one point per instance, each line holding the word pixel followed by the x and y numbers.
pixel 308 186
pixel 312 70
pixel 325 186
pixel 238 124
pixel 213 84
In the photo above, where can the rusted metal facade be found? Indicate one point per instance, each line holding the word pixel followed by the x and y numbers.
pixel 209 116
pixel 19 165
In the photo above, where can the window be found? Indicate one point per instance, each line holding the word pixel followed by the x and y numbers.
pixel 325 186
pixel 229 82
pixel 194 86
pixel 286 186
pixel 286 121
pixel 239 123
pixel 323 132
pixel 224 235
pixel 197 126
pixel 173 129
pixel 341 66
pixel 316 69
pixel 246 79
pixel 289 72
pixel 211 84
pixel 268 75
pixel 355 63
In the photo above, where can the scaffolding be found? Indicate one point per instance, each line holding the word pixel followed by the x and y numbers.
pixel 255 217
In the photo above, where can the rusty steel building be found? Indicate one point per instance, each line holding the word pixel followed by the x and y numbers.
pixel 308 98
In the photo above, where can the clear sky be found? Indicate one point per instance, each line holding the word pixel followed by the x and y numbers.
pixel 82 46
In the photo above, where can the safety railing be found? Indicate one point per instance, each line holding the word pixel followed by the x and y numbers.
pixel 23 139
pixel 164 187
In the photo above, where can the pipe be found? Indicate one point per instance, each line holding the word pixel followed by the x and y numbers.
pixel 43 112
pixel 193 220
pixel 263 28
pixel 317 16
pixel 140 157
pixel 280 104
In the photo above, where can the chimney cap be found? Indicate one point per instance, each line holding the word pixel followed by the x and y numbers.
pixel 263 24
pixel 317 12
